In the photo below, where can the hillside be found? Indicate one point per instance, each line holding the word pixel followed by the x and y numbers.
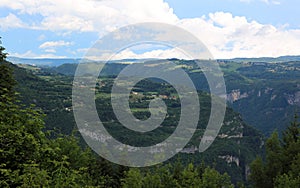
pixel 265 91
pixel 236 146
pixel 267 94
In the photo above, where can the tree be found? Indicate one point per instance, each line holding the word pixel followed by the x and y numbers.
pixel 7 83
pixel 133 179
pixel 189 177
pixel 285 180
pixel 152 181
pixel 257 175
pixel 213 179
pixel 2 53
pixel 21 136
pixel 274 165
pixel 282 166
pixel 291 144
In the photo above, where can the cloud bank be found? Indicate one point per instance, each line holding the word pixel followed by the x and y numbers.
pixel 224 34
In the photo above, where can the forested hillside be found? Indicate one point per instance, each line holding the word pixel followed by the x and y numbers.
pixel 265 91
pixel 236 146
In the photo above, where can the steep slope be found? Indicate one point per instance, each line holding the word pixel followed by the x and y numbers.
pixel 52 94
pixel 266 94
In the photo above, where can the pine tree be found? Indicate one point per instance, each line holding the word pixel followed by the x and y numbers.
pixel 7 83
pixel 282 166
pixel 2 53
pixel 21 136
pixel 133 179
pixel 257 175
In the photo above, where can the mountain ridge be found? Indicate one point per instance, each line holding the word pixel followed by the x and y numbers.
pixel 59 61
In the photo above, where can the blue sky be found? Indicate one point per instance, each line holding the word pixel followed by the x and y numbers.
pixel 229 28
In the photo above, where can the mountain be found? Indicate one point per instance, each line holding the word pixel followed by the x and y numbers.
pixel 267 94
pixel 42 61
pixel 265 91
pixel 265 59
pixel 236 146
pixel 54 62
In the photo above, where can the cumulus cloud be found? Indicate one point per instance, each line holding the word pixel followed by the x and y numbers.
pixel 50 46
pixel 228 36
pixel 11 21
pixel 92 15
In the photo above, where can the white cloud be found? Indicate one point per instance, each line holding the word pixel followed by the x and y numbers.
pixel 30 54
pixel 50 50
pixel 228 36
pixel 159 54
pixel 54 44
pixel 50 46
pixel 27 54
pixel 129 54
pixel 11 21
pixel 92 15
pixel 67 22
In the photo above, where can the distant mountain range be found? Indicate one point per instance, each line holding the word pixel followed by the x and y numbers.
pixel 267 59
pixel 59 61
pixel 54 62
pixel 42 61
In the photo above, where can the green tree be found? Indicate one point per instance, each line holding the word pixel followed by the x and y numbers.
pixel 21 136
pixel 189 177
pixel 274 165
pixel 2 53
pixel 258 173
pixel 282 166
pixel 133 179
pixel 213 179
pixel 7 83
pixel 152 181
pixel 166 177
pixel 289 181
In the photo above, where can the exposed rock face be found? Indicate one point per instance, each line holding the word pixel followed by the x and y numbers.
pixel 273 97
pixel 236 95
pixel 293 99
pixel 231 159
pixel 247 172
pixel 190 150
pixel 268 90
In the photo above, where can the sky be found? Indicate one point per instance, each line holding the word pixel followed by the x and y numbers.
pixel 228 28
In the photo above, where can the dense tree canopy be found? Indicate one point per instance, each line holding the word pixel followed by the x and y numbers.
pixel 282 166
